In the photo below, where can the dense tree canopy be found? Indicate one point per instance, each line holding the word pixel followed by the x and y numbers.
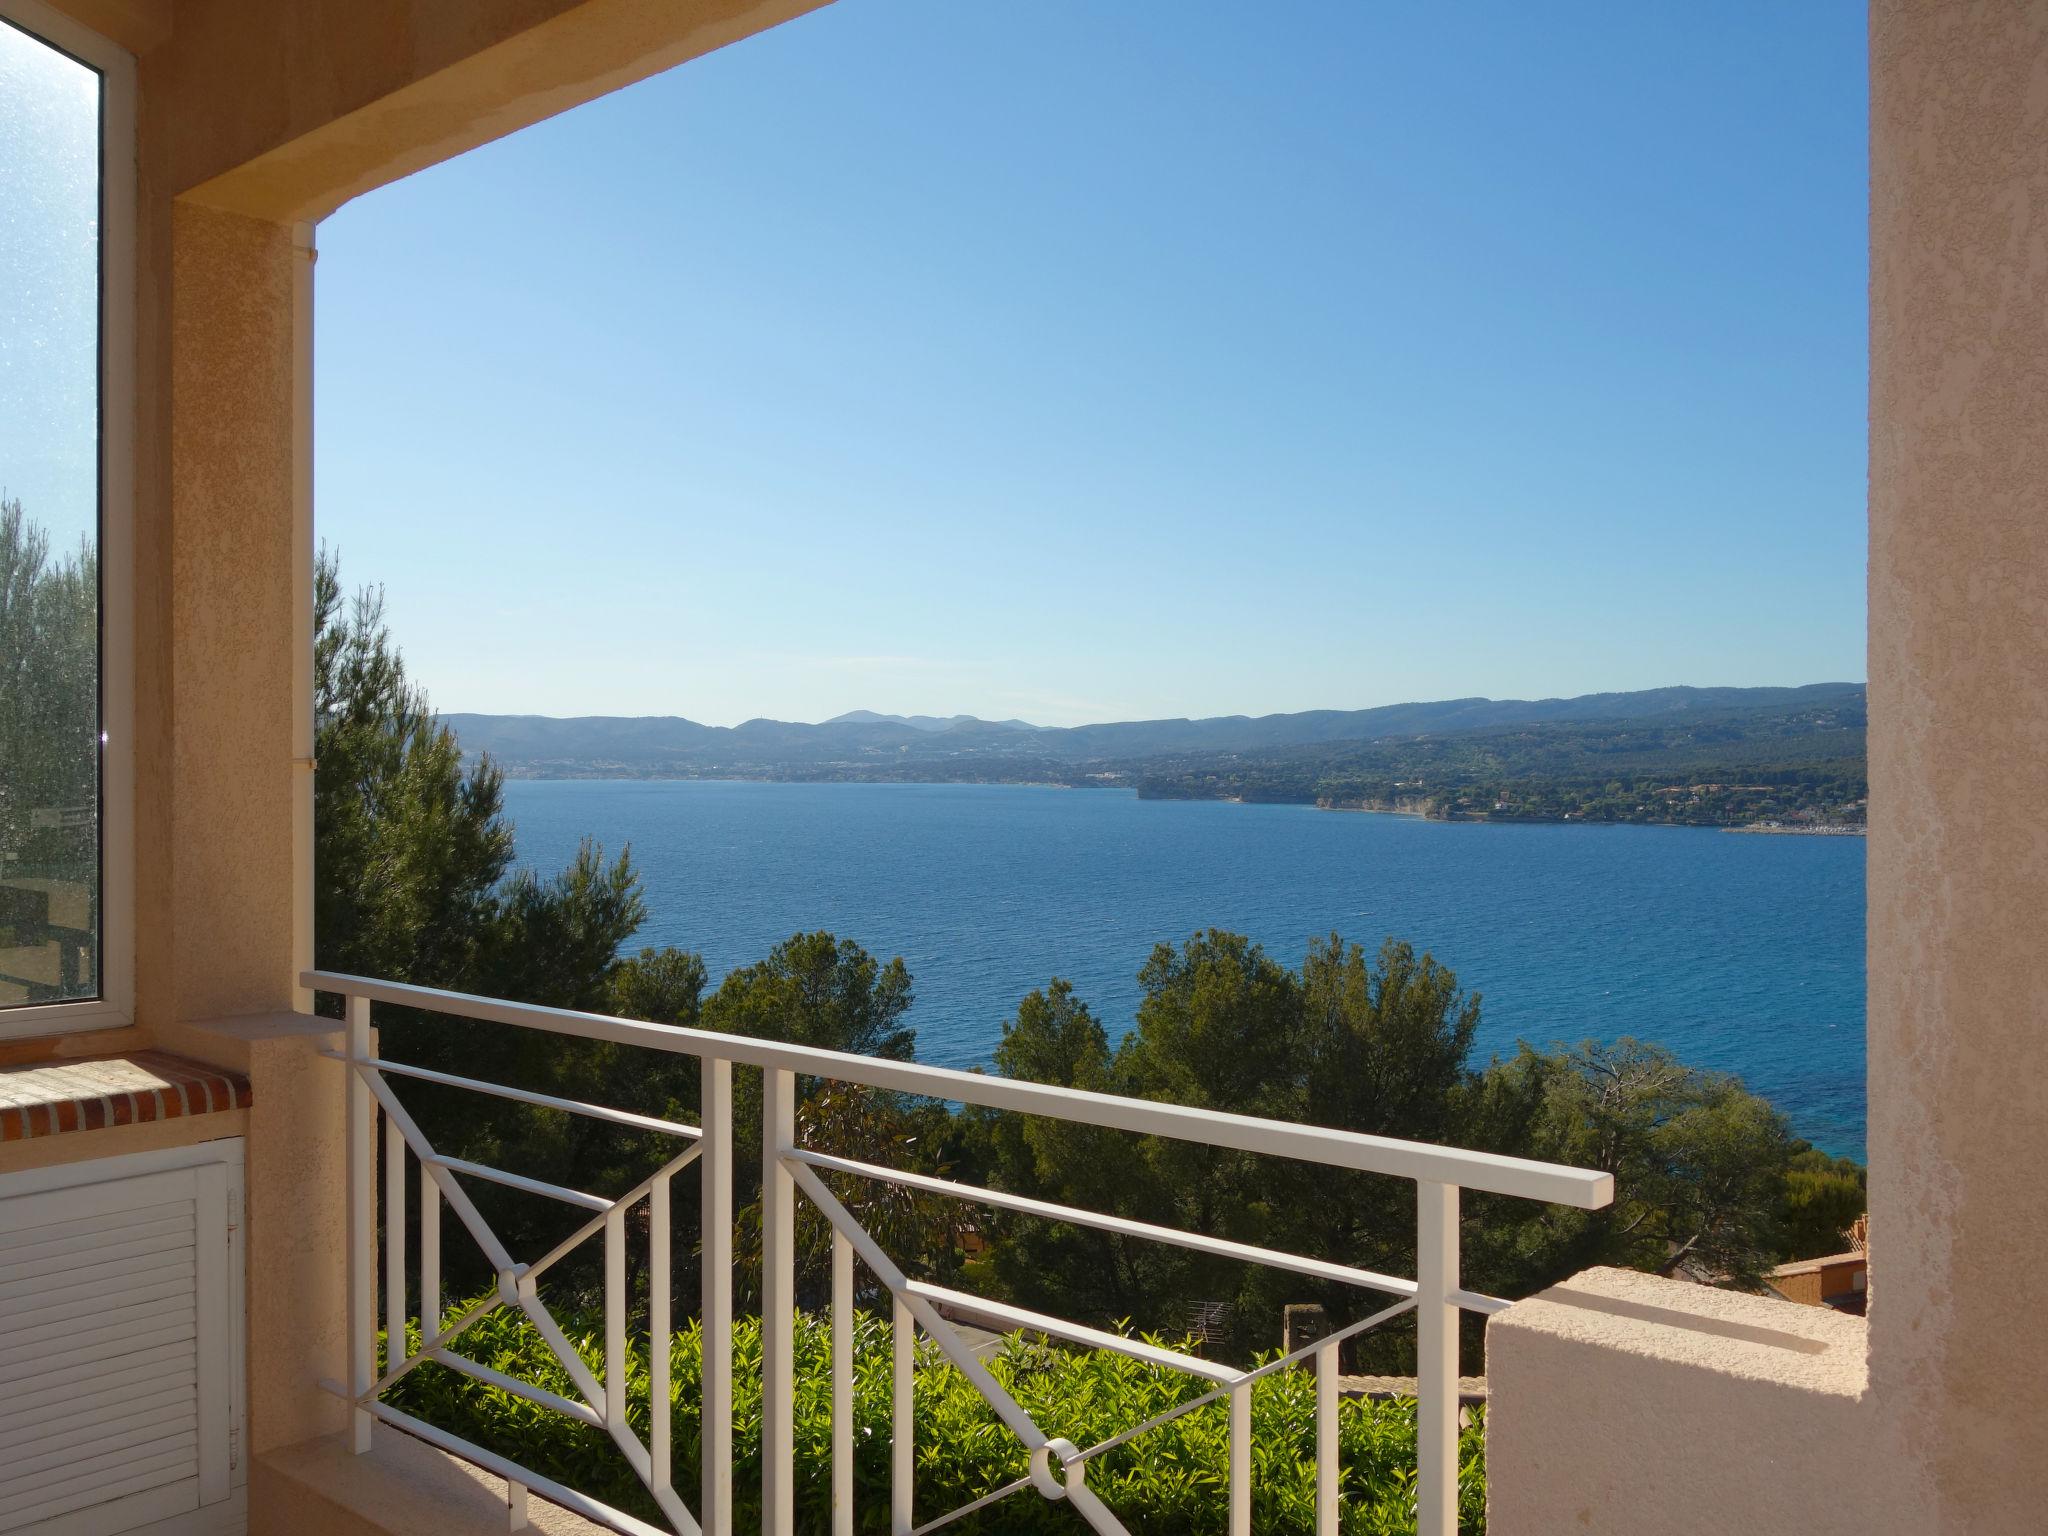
pixel 1702 1167
pixel 814 989
pixel 49 751
pixel 1710 1181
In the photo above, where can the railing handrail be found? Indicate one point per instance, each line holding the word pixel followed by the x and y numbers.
pixel 1524 1178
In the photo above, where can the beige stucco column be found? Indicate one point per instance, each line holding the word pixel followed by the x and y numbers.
pixel 239 841
pixel 232 629
pixel 1959 751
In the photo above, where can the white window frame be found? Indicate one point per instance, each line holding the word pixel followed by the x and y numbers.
pixel 115 1006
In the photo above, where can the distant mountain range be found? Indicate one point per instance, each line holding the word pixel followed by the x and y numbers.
pixel 864 745
pixel 926 722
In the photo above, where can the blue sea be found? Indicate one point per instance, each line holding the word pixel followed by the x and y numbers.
pixel 1741 953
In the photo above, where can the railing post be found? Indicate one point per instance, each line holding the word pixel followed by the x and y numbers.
pixel 615 1319
pixel 1327 1470
pixel 660 1335
pixel 394 1246
pixel 902 1417
pixel 1436 1359
pixel 430 1257
pixel 778 1303
pixel 362 1284
pixel 842 1384
pixel 1241 1459
pixel 715 1167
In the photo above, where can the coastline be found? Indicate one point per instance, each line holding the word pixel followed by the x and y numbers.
pixel 1758 828
pixel 1774 831
pixel 610 774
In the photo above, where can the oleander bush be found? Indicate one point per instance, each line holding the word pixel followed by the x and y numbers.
pixel 1170 1481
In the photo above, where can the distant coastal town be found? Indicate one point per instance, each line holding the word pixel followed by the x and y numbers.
pixel 1778 829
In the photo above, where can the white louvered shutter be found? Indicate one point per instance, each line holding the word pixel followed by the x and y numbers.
pixel 115 1353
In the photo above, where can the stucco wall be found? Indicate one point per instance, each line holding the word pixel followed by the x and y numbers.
pixel 231 631
pixel 402 1487
pixel 1959 751
pixel 297 1231
pixel 1622 1403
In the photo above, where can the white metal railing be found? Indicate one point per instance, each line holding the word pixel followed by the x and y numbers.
pixel 1058 1468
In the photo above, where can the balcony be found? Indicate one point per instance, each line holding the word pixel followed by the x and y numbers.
pixel 1618 1403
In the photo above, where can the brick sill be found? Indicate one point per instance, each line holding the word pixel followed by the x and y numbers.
pixel 57 1098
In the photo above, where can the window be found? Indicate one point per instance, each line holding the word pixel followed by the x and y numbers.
pixel 66 294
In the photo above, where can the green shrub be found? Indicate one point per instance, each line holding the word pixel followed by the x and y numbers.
pixel 1170 1480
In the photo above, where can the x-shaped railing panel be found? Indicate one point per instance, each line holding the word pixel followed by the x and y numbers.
pixel 601 1400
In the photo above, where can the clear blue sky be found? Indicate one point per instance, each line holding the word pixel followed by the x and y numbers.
pixel 49 288
pixel 1086 361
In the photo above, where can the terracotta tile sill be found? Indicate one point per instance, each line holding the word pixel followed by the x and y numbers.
pixel 56 1098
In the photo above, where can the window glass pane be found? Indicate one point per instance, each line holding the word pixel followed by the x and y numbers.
pixel 49 523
